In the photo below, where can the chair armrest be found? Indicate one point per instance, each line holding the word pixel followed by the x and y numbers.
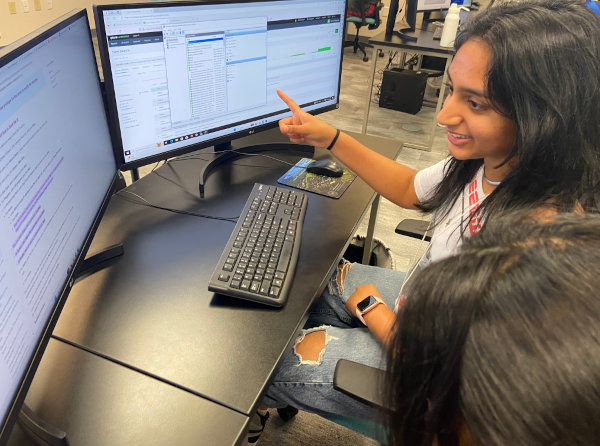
pixel 360 381
pixel 413 228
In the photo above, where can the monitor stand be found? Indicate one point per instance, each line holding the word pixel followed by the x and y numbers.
pixel 34 427
pixel 40 432
pixel 107 256
pixel 225 152
pixel 98 261
pixel 404 34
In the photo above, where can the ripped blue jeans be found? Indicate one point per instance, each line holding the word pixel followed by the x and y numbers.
pixel 308 385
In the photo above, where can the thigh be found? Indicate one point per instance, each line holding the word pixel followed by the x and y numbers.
pixel 387 281
pixel 309 385
pixel 330 308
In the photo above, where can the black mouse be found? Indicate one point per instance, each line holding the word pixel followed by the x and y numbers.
pixel 326 167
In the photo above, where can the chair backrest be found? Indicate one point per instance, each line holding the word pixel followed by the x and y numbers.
pixel 365 9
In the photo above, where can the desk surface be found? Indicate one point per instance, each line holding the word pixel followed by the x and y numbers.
pixel 98 402
pixel 152 310
pixel 424 42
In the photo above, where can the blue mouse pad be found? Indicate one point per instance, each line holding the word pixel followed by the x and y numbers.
pixel 330 187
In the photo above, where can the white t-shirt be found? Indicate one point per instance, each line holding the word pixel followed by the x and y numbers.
pixel 462 219
pixel 446 238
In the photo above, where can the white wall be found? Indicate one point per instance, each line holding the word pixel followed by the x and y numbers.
pixel 14 26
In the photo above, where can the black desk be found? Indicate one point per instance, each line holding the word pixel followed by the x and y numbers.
pixel 424 45
pixel 152 311
pixel 100 403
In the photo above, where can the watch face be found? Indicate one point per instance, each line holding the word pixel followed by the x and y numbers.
pixel 366 303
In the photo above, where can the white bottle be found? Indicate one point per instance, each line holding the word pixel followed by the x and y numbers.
pixel 451 25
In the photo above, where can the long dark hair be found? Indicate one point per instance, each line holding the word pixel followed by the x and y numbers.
pixel 544 77
pixel 503 339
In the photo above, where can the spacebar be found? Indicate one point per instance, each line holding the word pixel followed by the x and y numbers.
pixel 284 257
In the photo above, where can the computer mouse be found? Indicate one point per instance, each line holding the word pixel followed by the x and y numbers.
pixel 326 167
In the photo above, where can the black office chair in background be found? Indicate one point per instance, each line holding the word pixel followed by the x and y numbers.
pixel 412 227
pixel 362 13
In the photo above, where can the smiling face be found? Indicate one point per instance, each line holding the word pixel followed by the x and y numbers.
pixel 475 129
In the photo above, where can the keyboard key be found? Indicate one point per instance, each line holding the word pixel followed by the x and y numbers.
pixel 255 286
pixel 264 287
pixel 286 254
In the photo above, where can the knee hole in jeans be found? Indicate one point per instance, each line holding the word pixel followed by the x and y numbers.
pixel 310 345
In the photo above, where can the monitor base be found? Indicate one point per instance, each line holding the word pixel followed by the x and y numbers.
pixel 403 34
pixel 224 153
pixel 39 431
pixel 98 261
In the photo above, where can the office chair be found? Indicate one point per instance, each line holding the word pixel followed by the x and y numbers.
pixel 363 13
pixel 360 382
pixel 414 228
pixel 363 383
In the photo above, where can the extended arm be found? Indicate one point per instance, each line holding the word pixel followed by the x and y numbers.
pixel 392 180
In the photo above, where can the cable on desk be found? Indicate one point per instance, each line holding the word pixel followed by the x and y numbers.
pixel 175 211
pixel 187 157
pixel 156 165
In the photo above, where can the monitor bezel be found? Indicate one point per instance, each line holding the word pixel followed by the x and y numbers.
pixel 115 129
pixel 421 8
pixel 7 55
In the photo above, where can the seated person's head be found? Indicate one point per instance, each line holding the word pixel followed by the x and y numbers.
pixel 536 63
pixel 500 344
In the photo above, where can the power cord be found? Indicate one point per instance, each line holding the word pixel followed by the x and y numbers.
pixel 187 157
pixel 175 211
pixel 183 158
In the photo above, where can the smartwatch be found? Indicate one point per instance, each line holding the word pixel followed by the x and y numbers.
pixel 366 305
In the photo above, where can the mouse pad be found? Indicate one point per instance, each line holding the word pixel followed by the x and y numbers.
pixel 330 187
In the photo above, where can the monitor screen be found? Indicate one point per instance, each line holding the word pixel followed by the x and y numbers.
pixel 182 76
pixel 431 5
pixel 56 170
pixel 411 7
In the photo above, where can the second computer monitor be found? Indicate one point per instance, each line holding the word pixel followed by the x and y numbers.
pixel 57 173
pixel 432 5
pixel 182 76
pixel 411 8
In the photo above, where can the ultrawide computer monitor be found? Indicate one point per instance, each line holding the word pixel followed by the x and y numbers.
pixel 56 172
pixel 183 76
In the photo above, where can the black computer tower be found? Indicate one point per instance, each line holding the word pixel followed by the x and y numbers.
pixel 403 90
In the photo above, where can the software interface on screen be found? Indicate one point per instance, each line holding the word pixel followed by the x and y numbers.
pixel 429 5
pixel 56 165
pixel 188 74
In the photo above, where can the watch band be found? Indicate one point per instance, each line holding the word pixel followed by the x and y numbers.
pixel 367 304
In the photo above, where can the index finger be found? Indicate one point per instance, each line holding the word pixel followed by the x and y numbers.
pixel 288 101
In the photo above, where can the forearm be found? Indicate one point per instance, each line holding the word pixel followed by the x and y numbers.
pixel 392 180
pixel 380 321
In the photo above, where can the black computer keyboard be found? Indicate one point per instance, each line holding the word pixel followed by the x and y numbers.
pixel 259 260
